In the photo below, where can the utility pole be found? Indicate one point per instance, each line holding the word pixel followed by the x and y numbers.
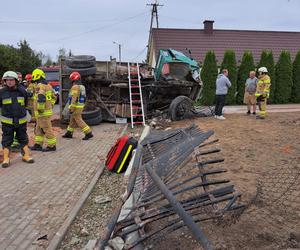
pixel 119 45
pixel 154 15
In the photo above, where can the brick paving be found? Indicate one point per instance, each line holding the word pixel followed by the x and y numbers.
pixel 36 199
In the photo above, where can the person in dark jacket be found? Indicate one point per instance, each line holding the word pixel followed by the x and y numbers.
pixel 13 101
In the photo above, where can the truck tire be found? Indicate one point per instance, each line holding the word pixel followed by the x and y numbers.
pixel 87 115
pixel 94 121
pixel 180 108
pixel 82 71
pixel 80 62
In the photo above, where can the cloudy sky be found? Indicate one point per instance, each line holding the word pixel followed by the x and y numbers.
pixel 91 26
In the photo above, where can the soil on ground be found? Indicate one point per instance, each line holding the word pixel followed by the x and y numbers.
pixel 263 162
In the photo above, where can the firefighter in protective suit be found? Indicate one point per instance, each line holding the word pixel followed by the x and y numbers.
pixel 77 98
pixel 31 88
pixel 44 101
pixel 262 91
pixel 13 100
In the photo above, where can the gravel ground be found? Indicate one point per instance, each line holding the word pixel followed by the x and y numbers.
pixel 93 216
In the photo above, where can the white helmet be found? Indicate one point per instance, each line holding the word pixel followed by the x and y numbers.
pixel 10 75
pixel 263 70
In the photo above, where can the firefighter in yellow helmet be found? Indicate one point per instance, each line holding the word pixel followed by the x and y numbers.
pixel 13 99
pixel 77 98
pixel 262 91
pixel 43 107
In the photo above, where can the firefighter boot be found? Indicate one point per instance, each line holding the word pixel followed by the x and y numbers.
pixel 68 134
pixel 49 149
pixel 88 136
pixel 5 162
pixel 26 155
pixel 36 147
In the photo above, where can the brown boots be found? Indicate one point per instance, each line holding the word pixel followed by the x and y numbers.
pixel 5 162
pixel 26 155
pixel 25 152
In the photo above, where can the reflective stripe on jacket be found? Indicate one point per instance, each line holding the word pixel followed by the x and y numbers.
pixel 77 96
pixel 11 121
pixel 263 86
pixel 44 100
pixel 13 101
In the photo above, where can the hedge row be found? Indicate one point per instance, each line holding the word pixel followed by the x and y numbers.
pixel 285 76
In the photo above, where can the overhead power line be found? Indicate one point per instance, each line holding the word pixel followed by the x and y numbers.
pixel 139 54
pixel 57 21
pixel 95 29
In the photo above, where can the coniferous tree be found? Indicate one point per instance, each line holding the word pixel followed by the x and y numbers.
pixel 296 79
pixel 271 71
pixel 263 59
pixel 9 58
pixel 28 58
pixel 246 66
pixel 284 78
pixel 229 62
pixel 209 73
pixel 22 59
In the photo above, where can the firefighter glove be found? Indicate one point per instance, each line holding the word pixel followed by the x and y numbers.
pixel 71 109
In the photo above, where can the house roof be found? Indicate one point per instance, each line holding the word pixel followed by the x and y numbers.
pixel 199 42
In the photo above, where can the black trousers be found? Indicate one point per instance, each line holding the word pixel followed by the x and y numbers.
pixel 220 102
pixel 8 131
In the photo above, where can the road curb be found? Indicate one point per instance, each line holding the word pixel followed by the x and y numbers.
pixel 60 234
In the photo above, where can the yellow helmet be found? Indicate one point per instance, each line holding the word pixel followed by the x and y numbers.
pixel 37 74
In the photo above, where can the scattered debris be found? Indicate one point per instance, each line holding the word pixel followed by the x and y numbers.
pixel 117 243
pixel 102 199
pixel 159 122
pixel 74 241
pixel 44 237
pixel 41 241
pixel 84 232
pixel 91 245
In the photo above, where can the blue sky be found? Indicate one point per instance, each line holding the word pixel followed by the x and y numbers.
pixel 91 26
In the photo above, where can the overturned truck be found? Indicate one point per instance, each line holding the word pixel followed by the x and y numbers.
pixel 171 86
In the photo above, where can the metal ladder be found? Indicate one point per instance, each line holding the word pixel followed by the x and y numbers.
pixel 135 94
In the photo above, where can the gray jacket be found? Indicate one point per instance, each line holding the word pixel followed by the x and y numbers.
pixel 222 85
